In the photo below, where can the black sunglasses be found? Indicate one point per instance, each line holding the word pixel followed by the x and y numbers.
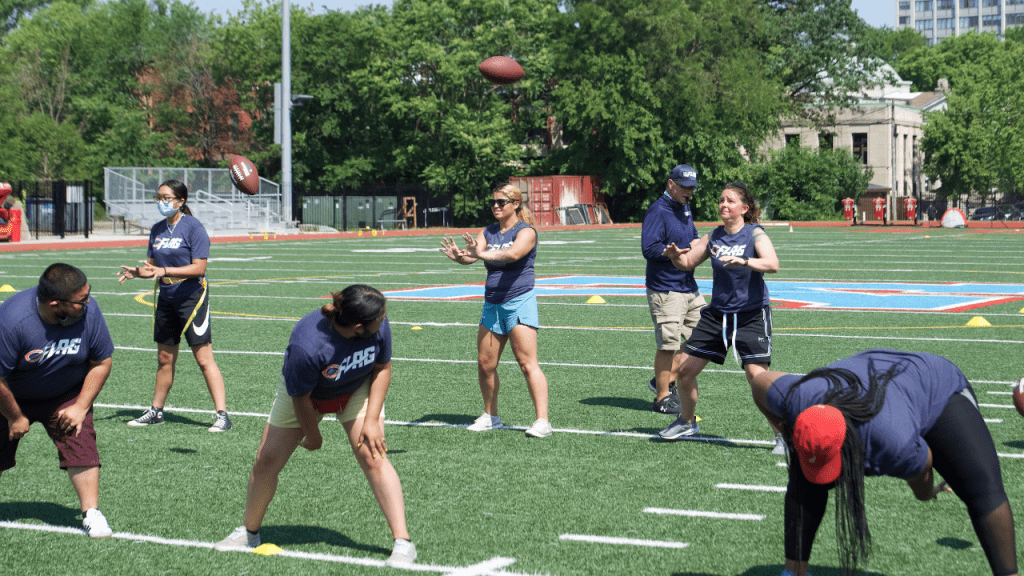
pixel 500 202
pixel 79 302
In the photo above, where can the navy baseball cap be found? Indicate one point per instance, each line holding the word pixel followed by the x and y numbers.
pixel 684 175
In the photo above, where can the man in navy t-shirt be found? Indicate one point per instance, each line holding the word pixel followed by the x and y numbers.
pixel 672 294
pixel 55 356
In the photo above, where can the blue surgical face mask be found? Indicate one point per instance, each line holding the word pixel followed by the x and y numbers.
pixel 166 209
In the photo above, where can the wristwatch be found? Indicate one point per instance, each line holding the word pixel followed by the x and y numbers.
pixel 746 261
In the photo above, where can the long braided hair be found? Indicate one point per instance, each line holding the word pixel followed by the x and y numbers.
pixel 858 403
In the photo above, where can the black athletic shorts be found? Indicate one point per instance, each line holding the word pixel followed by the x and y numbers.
pixel 750 332
pixel 189 318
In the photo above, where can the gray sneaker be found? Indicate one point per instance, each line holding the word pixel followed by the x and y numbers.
pixel 678 429
pixel 404 552
pixel 150 416
pixel 221 423
pixel 780 448
pixel 240 539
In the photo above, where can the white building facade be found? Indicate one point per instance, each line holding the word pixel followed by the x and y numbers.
pixel 940 19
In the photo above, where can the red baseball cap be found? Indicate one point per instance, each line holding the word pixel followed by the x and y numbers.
pixel 818 437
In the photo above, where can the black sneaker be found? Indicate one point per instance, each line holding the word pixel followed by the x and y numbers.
pixel 667 405
pixel 150 416
pixel 672 390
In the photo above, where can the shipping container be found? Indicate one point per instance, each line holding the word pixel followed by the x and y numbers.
pixel 546 195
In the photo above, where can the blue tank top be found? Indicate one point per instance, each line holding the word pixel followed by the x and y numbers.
pixel 507 280
pixel 736 288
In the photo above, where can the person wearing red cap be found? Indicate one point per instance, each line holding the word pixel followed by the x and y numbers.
pixel 883 412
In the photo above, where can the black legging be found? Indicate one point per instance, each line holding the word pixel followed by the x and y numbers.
pixel 963 453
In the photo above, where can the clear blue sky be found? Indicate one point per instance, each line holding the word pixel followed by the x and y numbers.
pixel 877 13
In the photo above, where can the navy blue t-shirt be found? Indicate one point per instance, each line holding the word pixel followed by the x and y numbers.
pixel 320 360
pixel 894 439
pixel 665 222
pixel 736 288
pixel 41 361
pixel 178 247
pixel 508 280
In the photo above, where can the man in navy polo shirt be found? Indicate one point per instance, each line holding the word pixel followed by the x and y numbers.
pixel 672 294
pixel 55 356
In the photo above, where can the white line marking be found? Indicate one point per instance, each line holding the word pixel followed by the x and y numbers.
pixel 782 465
pixel 484 568
pixel 702 514
pixel 1000 393
pixel 1010 455
pixel 995 405
pixel 625 541
pixel 993 420
pixel 752 487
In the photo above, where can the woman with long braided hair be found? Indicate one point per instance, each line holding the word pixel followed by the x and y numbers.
pixel 883 412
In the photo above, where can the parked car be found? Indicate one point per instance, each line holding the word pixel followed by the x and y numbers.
pixel 1002 212
pixel 984 213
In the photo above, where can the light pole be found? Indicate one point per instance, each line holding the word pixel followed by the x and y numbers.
pixel 286 112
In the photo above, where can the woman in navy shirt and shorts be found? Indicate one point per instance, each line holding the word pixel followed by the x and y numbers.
pixel 178 250
pixel 338 361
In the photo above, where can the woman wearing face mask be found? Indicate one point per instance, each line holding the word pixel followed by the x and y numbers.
pixel 176 259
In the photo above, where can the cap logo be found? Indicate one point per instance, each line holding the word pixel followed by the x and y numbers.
pixel 689 174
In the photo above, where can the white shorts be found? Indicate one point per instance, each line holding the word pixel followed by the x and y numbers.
pixel 282 414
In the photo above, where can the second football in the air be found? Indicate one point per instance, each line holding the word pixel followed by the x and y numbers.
pixel 243 175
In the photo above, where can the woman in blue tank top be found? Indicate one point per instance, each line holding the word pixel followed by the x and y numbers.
pixel 508 249
pixel 739 316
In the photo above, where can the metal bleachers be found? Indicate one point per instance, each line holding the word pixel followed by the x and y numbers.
pixel 129 192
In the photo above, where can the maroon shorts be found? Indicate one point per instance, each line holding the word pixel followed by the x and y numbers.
pixel 74 451
pixel 331 405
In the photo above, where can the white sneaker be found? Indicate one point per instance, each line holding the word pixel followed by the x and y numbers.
pixel 780 446
pixel 541 428
pixel 240 539
pixel 404 552
pixel 95 524
pixel 485 422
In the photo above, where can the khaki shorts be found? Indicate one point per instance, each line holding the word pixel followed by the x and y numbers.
pixel 675 314
pixel 282 414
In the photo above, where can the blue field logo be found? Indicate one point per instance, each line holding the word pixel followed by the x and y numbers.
pixel 896 297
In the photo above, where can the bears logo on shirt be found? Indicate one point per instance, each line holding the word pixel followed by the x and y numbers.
pixel 59 348
pixel 358 360
pixel 170 243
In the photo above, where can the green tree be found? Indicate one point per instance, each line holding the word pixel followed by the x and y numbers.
pixel 397 95
pixel 925 65
pixel 890 45
pixel 804 184
pixel 644 85
pixel 977 143
pixel 822 52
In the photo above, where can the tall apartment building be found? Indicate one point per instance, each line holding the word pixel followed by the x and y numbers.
pixel 939 19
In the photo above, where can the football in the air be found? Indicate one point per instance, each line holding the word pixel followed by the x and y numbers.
pixel 244 176
pixel 1018 396
pixel 501 70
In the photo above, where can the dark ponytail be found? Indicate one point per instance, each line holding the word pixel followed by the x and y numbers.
pixel 357 304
